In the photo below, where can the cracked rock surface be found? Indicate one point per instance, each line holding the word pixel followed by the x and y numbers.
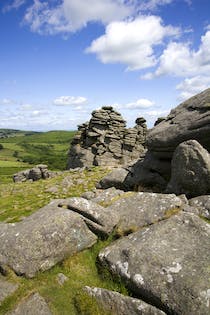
pixel 43 239
pixel 118 304
pixel 166 264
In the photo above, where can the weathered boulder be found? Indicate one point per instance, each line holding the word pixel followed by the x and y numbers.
pixel 202 204
pixel 166 264
pixel 126 213
pixel 105 141
pixel 98 218
pixel 103 196
pixel 43 239
pixel 149 172
pixel 38 172
pixel 116 179
pixel 33 305
pixel 118 304
pixel 190 170
pixel 189 120
pixel 136 210
pixel 7 288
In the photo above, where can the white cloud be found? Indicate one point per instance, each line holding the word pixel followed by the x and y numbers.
pixel 180 60
pixel 15 4
pixel 6 101
pixel 140 104
pixel 191 86
pixel 153 4
pixel 70 100
pixel 71 15
pixel 132 42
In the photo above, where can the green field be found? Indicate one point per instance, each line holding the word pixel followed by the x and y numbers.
pixel 20 150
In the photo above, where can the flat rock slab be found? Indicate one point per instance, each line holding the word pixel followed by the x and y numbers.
pixel 93 214
pixel 136 210
pixel 7 288
pixel 103 196
pixel 166 264
pixel 118 304
pixel 43 239
pixel 202 204
pixel 33 305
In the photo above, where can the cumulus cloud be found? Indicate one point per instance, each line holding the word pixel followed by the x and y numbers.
pixel 191 86
pixel 132 42
pixel 180 60
pixel 140 104
pixel 70 100
pixel 71 15
pixel 15 4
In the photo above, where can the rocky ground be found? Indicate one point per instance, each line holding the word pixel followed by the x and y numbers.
pixel 155 241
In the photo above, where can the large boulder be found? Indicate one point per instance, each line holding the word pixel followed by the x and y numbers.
pixel 190 170
pixel 166 264
pixel 125 213
pixel 189 120
pixel 33 305
pixel 115 178
pixel 118 304
pixel 137 210
pixel 43 239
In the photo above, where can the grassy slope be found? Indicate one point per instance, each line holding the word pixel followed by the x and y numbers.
pixel 22 199
pixel 22 150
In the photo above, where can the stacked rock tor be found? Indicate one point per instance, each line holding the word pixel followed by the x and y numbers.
pixel 105 140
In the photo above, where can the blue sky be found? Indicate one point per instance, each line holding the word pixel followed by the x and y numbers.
pixel 61 59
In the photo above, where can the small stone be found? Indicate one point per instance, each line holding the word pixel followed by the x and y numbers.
pixel 61 278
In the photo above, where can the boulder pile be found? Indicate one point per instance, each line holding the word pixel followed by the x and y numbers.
pixel 162 254
pixel 177 160
pixel 190 161
pixel 38 172
pixel 105 140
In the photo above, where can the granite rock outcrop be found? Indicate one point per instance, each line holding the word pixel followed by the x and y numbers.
pixel 105 140
pixel 36 173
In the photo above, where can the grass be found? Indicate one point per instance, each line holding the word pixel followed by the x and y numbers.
pixel 22 199
pixel 18 200
pixel 68 299
pixel 26 149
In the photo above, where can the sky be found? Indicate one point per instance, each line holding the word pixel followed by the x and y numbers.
pixel 62 59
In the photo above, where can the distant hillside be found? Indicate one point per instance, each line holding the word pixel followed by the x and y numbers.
pixel 6 133
pixel 23 149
